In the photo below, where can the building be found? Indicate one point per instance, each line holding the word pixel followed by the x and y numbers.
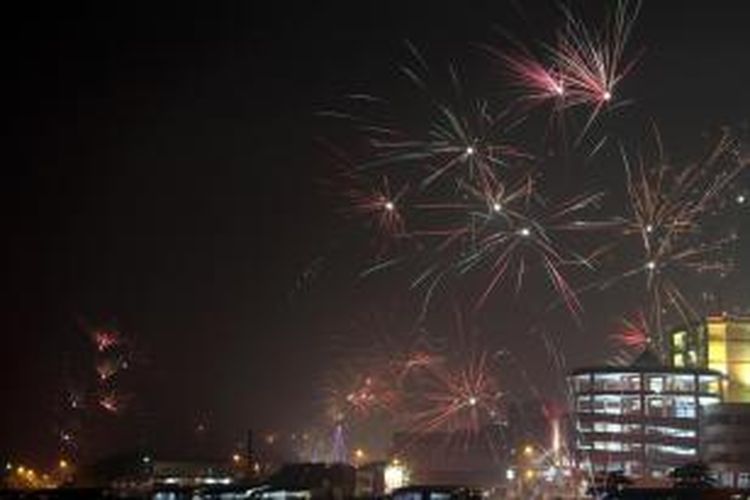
pixel 722 343
pixel 725 443
pixel 643 419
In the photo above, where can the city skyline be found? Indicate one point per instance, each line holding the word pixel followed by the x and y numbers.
pixel 176 183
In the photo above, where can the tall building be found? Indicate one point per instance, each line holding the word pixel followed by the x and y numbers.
pixel 643 419
pixel 722 343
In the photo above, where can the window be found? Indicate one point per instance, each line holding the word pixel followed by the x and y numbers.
pixel 631 405
pixel 684 407
pixel 743 480
pixel 656 384
pixel 656 407
pixel 608 405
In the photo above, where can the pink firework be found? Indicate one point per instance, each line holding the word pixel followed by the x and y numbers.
pixel 105 339
pixel 592 64
pixel 633 332
pixel 536 82
pixel 457 399
pixel 381 206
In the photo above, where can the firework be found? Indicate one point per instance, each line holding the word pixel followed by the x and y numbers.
pixel 380 206
pixel 105 339
pixel 671 215
pixel 458 396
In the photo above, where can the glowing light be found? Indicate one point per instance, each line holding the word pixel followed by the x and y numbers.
pixel 525 232
pixel 651 265
pixel 529 474
pixel 395 476
pixel 236 458
pixel 606 96
pixel 649 228
pixel 359 453
pixel 510 474
pixel 528 450
pixel 496 207
pixel 63 464
pixel 470 150
pixel 21 469
pixel 8 466
pixel 741 199
pixel 472 401
pixel 390 206
pixel 146 459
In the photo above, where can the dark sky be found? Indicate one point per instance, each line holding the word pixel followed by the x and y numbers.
pixel 163 172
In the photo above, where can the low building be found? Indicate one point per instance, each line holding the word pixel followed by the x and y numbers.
pixel 642 419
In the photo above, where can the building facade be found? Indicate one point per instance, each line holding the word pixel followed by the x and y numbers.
pixel 721 343
pixel 643 419
pixel 725 443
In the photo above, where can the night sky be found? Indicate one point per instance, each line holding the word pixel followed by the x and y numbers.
pixel 165 173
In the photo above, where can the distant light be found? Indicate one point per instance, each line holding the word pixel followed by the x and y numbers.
pixel 496 207
pixel 21 469
pixel 528 450
pixel 236 458
pixel 359 453
pixel 395 476
pixel 390 206
pixel 607 95
pixel 741 199
pixel 473 401
pixel 146 459
pixel 510 474
pixel 649 228
pixel 651 265
pixel 530 474
pixel 525 232
pixel 470 150
pixel 63 464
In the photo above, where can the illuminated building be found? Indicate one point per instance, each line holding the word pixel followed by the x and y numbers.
pixel 641 419
pixel 721 343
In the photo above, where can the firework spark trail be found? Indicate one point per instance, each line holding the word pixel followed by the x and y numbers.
pixel 381 205
pixel 592 64
pixel 458 397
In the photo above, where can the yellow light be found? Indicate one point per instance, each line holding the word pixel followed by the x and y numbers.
pixel 63 464
pixel 528 450
pixel 359 453
pixel 236 458
pixel 529 474
pixel 21 469
pixel 395 476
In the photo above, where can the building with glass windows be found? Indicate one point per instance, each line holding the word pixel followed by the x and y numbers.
pixel 720 343
pixel 642 419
